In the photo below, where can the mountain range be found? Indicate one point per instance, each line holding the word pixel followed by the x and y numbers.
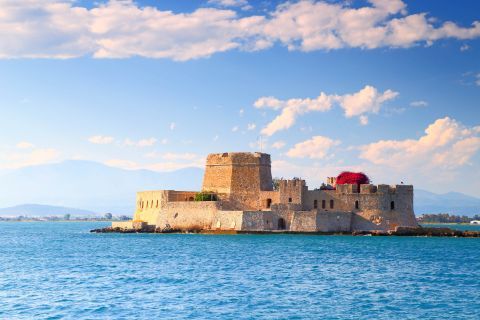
pixel 97 188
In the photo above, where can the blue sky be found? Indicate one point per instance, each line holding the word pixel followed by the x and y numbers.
pixel 160 84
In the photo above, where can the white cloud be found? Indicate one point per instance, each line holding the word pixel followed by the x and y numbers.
pixel 367 100
pixel 278 145
pixel 173 125
pixel 174 162
pixel 121 29
pixel 241 112
pixel 31 158
pixel 101 139
pixel 363 120
pixel 291 109
pixel 464 47
pixel 24 145
pixel 181 156
pixel 230 3
pixel 140 143
pixel 446 144
pixel 251 126
pixel 235 129
pixel 317 147
pixel 419 103
pixel 147 142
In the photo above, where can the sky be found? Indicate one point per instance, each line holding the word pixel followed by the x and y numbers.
pixel 387 87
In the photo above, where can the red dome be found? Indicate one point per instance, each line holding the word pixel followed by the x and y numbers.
pixel 347 177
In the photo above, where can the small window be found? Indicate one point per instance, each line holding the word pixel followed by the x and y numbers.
pixel 315 204
pixel 392 205
pixel 323 204
pixel 357 205
pixel 331 204
pixel 269 203
pixel 157 203
pixel 190 199
pixel 289 199
pixel 151 206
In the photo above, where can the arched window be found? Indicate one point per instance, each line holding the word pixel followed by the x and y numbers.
pixel 331 204
pixel 357 205
pixel 289 199
pixel 323 204
pixel 315 204
pixel 269 203
pixel 392 205
pixel 281 224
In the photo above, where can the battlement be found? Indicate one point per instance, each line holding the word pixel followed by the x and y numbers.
pixel 294 183
pixel 239 159
pixel 238 173
pixel 373 189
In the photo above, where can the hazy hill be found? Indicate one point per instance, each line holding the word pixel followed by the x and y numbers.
pixel 451 202
pixel 38 210
pixel 95 187
pixel 89 185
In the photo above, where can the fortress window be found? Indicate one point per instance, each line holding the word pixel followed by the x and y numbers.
pixel 315 204
pixel 190 199
pixel 157 203
pixel 281 224
pixel 331 204
pixel 269 203
pixel 357 205
pixel 289 199
pixel 151 206
pixel 392 205
pixel 323 204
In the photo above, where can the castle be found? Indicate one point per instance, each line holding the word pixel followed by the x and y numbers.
pixel 244 199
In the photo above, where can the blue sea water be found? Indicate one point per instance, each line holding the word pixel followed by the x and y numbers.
pixel 61 271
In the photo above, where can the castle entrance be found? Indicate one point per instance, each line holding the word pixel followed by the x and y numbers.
pixel 281 224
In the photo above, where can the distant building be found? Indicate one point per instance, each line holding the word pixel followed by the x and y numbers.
pixel 245 200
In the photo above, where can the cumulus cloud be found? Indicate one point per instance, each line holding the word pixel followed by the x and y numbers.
pixel 317 147
pixel 120 29
pixel 174 161
pixel 446 144
pixel 140 143
pixel 31 158
pixel 291 109
pixel 24 145
pixel 251 126
pixel 367 100
pixel 419 103
pixel 101 139
pixel 278 144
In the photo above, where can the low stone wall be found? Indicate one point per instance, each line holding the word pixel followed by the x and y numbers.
pixel 188 215
pixel 334 221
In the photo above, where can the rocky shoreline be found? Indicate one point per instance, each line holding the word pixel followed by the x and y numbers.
pixel 400 231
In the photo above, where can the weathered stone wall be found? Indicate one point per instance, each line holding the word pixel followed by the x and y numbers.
pixel 372 205
pixel 292 191
pixel 239 177
pixel 188 215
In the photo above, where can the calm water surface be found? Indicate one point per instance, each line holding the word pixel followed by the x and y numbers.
pixel 60 271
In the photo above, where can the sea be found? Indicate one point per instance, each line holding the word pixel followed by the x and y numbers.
pixel 56 270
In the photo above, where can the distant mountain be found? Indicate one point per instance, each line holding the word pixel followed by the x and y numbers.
pixel 89 185
pixel 451 202
pixel 38 210
pixel 99 188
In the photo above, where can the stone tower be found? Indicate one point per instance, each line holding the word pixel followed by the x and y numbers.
pixel 238 177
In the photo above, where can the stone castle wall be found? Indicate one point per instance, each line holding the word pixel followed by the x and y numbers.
pixel 243 185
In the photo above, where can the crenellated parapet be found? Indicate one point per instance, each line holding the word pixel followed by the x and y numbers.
pixel 374 189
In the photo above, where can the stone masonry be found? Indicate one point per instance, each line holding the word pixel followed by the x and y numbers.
pixel 247 202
